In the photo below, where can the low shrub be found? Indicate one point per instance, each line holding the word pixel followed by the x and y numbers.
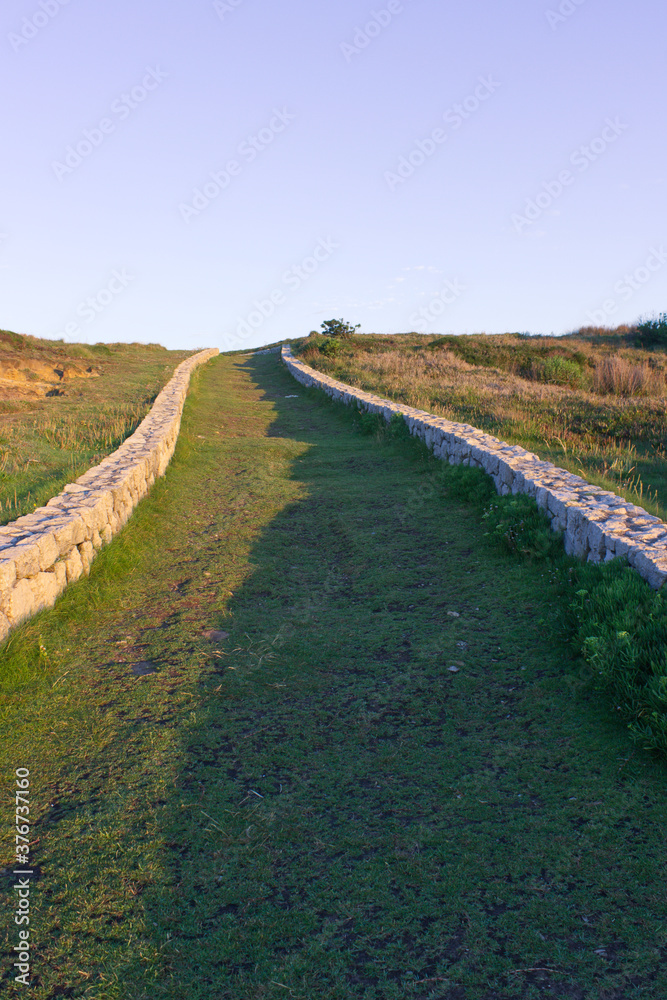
pixel 561 371
pixel 652 332
pixel 329 348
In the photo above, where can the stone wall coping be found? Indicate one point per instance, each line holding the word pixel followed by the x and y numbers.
pixel 41 553
pixel 597 525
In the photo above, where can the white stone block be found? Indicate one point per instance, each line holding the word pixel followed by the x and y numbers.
pixel 49 552
pixel 26 559
pixel 45 589
pixel 74 566
pixel 20 603
pixel 87 553
pixel 7 573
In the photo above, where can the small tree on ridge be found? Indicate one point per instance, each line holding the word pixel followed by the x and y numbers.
pixel 338 328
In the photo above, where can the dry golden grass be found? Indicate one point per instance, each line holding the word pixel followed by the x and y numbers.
pixel 49 437
pixel 618 376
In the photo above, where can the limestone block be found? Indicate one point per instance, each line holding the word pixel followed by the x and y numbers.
pixel 543 500
pixel 63 532
pixel 121 497
pixel 652 536
pixel 653 570
pixel 490 463
pixel 26 559
pixel 74 488
pixel 46 589
pixel 74 566
pixel 106 534
pixel 557 507
pixel 623 545
pixel 595 541
pixel 477 455
pixel 48 551
pixel 7 573
pixel 60 570
pixel 4 627
pixel 505 474
pixel 137 476
pixel 87 515
pixel 21 603
pixel 614 532
pixel 576 532
pixel 530 483
pixel 87 553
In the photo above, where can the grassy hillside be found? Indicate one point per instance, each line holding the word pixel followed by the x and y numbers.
pixel 63 407
pixel 304 733
pixel 592 403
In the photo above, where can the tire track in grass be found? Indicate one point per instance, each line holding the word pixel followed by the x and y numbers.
pixel 309 802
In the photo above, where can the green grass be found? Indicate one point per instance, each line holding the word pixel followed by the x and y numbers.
pixel 46 443
pixel 315 806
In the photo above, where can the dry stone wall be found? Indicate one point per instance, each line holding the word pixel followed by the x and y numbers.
pixel 596 525
pixel 41 553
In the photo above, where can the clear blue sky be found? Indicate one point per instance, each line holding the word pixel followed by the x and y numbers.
pixel 449 167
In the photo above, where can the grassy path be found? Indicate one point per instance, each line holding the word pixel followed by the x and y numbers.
pixel 309 803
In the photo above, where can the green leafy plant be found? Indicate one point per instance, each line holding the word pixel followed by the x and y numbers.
pixel 329 348
pixel 652 331
pixel 517 524
pixel 563 371
pixel 620 628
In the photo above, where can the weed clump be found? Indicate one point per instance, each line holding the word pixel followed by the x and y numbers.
pixel 516 524
pixel 620 629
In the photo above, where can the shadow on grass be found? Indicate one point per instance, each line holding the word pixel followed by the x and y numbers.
pixel 400 785
pixel 388 781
